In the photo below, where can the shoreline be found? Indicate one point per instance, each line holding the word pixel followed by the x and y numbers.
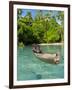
pixel 51 44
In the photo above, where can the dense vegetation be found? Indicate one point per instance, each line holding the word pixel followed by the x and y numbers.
pixel 43 28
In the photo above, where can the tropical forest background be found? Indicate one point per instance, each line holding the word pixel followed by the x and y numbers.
pixel 39 26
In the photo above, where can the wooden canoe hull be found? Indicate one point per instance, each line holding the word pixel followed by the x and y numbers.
pixel 49 58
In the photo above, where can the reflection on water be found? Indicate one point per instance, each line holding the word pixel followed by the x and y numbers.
pixel 31 68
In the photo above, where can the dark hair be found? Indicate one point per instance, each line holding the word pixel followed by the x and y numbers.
pixel 36 48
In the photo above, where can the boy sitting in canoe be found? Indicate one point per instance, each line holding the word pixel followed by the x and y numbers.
pixel 36 48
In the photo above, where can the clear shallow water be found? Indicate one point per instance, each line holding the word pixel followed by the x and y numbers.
pixel 30 67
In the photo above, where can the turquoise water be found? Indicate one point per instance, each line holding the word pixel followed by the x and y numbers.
pixel 30 67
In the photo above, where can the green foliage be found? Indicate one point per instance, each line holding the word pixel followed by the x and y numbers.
pixel 19 12
pixel 41 29
pixel 21 45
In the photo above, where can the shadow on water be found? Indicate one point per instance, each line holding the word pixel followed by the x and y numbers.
pixel 38 76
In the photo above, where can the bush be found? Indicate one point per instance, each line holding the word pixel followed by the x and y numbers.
pixel 21 45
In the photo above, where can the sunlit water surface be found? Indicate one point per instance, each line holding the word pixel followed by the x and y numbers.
pixel 29 67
